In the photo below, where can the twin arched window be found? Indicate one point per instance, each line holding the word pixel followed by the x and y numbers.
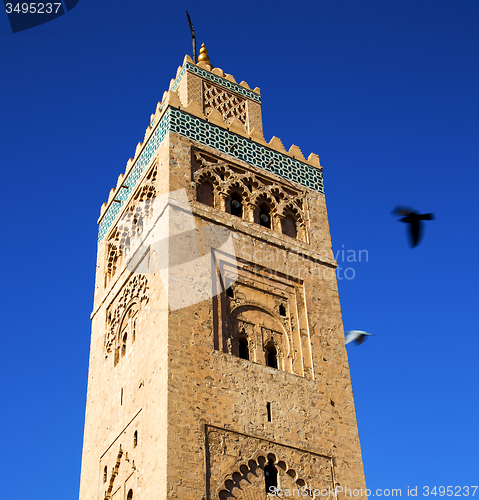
pixel 235 205
pixel 263 215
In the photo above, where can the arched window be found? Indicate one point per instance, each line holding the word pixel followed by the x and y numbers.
pixel 127 245
pixel 205 193
pixel 271 356
pixel 130 495
pixel 135 439
pixel 112 262
pixel 243 348
pixel 270 477
pixel 234 204
pixel 282 310
pixel 123 344
pixel 288 226
pixel 138 222
pixel 264 215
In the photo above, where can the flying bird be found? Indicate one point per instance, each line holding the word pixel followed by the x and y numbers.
pixel 356 335
pixel 414 219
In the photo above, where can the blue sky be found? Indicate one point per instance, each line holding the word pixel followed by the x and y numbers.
pixel 385 92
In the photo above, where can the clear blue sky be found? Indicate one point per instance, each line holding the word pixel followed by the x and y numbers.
pixel 385 92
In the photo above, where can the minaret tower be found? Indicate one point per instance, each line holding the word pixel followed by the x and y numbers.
pixel 217 364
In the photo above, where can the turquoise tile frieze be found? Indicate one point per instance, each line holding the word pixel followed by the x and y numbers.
pixel 217 138
pixel 246 150
pixel 216 79
pixel 135 173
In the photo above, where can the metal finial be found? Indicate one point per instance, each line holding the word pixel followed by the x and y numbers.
pixel 203 54
pixel 193 37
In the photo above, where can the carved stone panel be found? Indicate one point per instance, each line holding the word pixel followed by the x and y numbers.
pixel 236 467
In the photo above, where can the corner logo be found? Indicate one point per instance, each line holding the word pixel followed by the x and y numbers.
pixel 194 263
pixel 26 15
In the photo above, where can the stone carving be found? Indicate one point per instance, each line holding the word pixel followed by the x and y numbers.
pixel 137 213
pixel 238 472
pixel 229 105
pixel 122 471
pixel 135 297
pixel 230 182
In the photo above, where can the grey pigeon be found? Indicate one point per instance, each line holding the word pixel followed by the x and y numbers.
pixel 414 219
pixel 356 335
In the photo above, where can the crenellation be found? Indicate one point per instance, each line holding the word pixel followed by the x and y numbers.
pixel 295 152
pixel 230 78
pixel 276 144
pixel 218 72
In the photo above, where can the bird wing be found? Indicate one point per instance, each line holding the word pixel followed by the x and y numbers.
pixel 426 217
pixel 354 335
pixel 415 232
pixel 403 211
pixel 351 336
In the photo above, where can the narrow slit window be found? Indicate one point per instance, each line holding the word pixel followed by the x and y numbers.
pixel 268 411
pixel 105 474
pixel 123 345
pixel 135 439
pixel 130 495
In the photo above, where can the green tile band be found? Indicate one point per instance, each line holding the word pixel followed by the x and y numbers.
pixel 217 138
pixel 206 75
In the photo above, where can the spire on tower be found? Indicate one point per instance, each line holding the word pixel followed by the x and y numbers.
pixel 203 59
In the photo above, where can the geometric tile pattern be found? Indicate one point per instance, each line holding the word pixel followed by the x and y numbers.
pixel 217 138
pixel 244 149
pixel 218 80
pixel 130 181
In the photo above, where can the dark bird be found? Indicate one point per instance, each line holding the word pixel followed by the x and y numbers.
pixel 414 220
pixel 356 335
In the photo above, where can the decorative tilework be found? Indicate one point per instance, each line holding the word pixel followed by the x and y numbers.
pixel 217 138
pixel 246 150
pixel 216 79
pixel 130 181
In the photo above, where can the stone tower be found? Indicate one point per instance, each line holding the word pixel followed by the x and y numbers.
pixel 217 365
